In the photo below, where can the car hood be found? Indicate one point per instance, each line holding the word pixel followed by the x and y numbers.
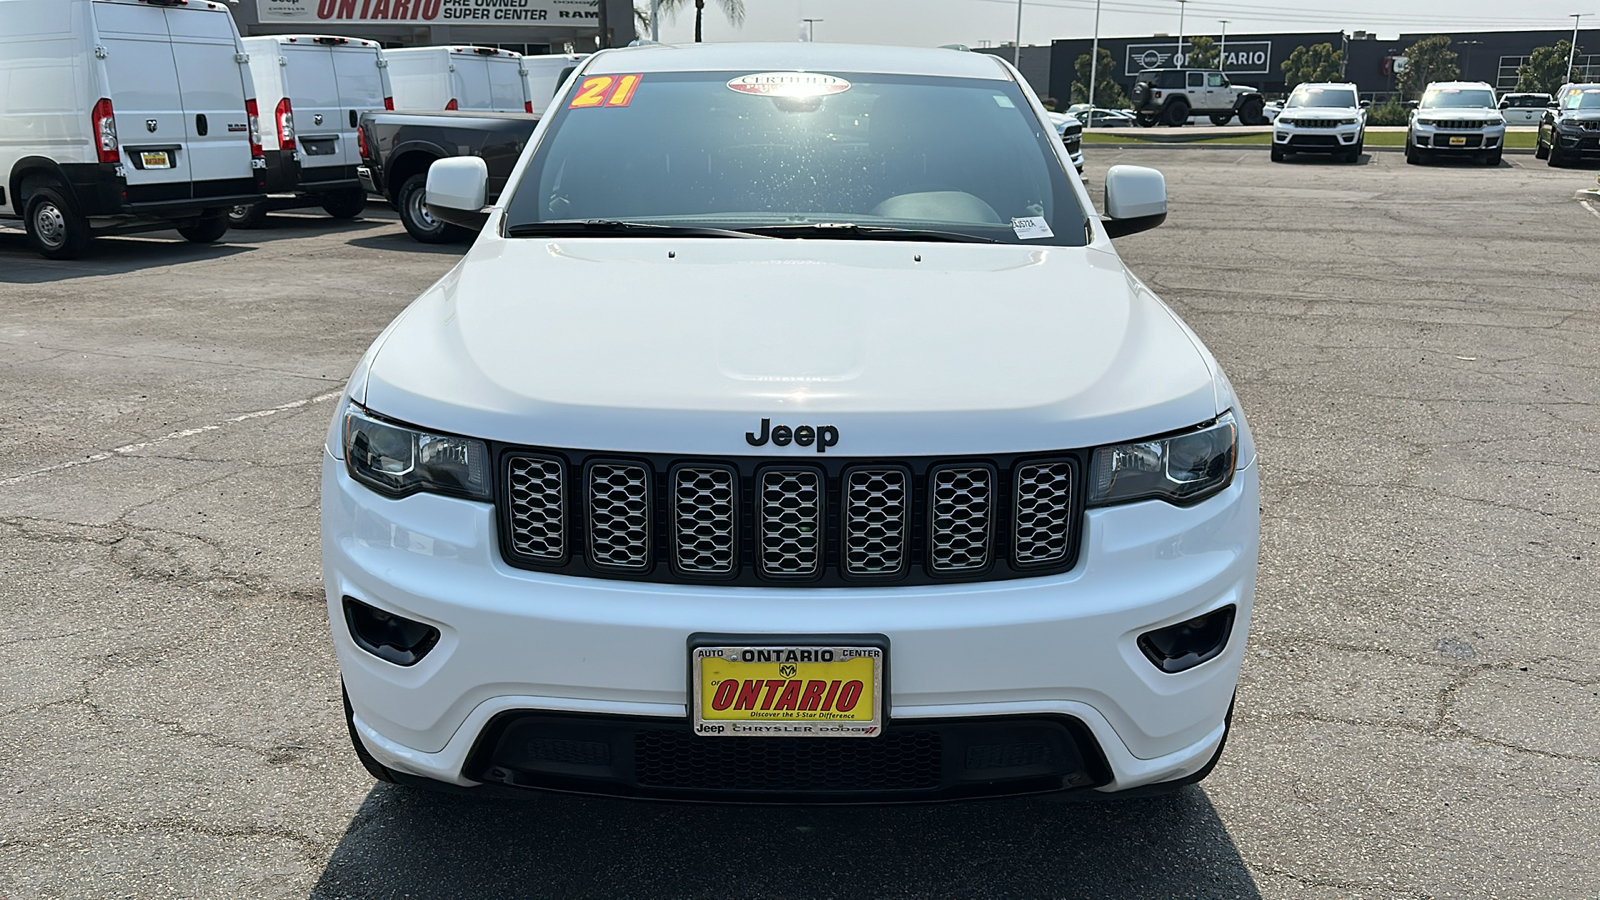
pixel 1465 112
pixel 1587 115
pixel 684 346
pixel 1320 112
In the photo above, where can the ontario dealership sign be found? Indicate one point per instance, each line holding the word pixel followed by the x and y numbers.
pixel 570 13
pixel 1243 57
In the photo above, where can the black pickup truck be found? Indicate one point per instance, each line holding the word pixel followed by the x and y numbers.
pixel 398 147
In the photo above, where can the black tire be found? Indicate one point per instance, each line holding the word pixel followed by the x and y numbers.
pixel 345 204
pixel 419 223
pixel 1277 153
pixel 1146 120
pixel 1413 158
pixel 1250 111
pixel 1176 114
pixel 207 229
pixel 1555 159
pixel 247 217
pixel 1492 159
pixel 55 227
pixel 1353 155
pixel 369 762
pixel 1540 151
pixel 1221 120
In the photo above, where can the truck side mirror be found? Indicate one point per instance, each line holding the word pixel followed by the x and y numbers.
pixel 1136 200
pixel 1366 104
pixel 1411 104
pixel 456 191
pixel 1505 104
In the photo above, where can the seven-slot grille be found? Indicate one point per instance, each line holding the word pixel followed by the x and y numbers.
pixel 753 520
pixel 1317 123
pixel 1460 124
pixel 1590 125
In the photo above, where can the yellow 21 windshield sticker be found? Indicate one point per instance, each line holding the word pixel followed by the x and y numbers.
pixel 601 91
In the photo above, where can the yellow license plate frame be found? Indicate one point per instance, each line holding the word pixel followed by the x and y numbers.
pixel 155 159
pixel 829 687
pixel 1458 142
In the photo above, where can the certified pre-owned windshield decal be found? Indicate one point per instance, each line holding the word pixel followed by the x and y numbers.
pixel 789 84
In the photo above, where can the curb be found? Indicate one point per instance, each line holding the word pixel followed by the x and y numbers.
pixel 1587 195
pixel 1222 144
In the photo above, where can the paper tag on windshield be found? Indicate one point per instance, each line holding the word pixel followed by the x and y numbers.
pixel 1031 228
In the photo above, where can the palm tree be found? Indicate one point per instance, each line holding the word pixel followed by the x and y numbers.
pixel 733 9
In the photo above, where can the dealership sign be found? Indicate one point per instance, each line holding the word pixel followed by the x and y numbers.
pixel 1243 57
pixel 569 13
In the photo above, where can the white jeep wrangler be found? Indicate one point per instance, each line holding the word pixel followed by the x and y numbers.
pixel 1171 96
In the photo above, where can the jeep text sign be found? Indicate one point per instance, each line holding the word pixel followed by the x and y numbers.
pixel 1242 58
pixel 557 13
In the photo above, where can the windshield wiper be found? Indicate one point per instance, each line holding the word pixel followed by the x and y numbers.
pixel 614 228
pixel 852 231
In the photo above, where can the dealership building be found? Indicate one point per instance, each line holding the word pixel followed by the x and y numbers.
pixel 1257 59
pixel 526 26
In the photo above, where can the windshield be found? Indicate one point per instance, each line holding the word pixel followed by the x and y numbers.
pixel 1527 101
pixel 889 153
pixel 1588 98
pixel 1307 97
pixel 1457 98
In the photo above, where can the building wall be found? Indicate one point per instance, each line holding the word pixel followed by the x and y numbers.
pixel 1035 66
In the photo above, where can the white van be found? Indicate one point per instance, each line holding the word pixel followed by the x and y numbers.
pixel 314 89
pixel 468 78
pixel 122 115
pixel 545 74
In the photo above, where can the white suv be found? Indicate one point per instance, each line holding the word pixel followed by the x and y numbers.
pixel 1321 118
pixel 1456 118
pixel 818 449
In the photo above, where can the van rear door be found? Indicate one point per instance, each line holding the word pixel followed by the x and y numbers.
pixel 360 89
pixel 310 85
pixel 211 79
pixel 508 92
pixel 141 81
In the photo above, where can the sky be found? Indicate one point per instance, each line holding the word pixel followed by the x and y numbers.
pixel 974 22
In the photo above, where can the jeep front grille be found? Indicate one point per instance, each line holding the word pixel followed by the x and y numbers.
pixel 619 515
pixel 1459 124
pixel 791 522
pixel 797 520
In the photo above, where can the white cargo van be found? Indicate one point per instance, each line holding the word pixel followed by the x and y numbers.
pixel 545 74
pixel 483 79
pixel 314 89
pixel 124 115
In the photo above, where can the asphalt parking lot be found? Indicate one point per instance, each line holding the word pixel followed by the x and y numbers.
pixel 1418 350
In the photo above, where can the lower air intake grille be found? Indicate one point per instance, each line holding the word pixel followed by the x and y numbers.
pixel 875 513
pixel 619 515
pixel 791 522
pixel 895 761
pixel 962 515
pixel 535 497
pixel 1043 513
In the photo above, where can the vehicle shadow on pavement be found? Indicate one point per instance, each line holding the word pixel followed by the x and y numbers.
pixel 19 264
pixel 406 842
pixel 400 240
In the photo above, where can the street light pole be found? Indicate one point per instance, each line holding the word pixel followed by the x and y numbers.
pixel 811 29
pixel 655 20
pixel 1016 51
pixel 1222 55
pixel 1572 52
pixel 1179 52
pixel 1094 68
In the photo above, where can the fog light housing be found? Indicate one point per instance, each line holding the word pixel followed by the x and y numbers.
pixel 391 638
pixel 1180 647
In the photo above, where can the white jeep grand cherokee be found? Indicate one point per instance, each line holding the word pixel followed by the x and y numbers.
pixel 792 432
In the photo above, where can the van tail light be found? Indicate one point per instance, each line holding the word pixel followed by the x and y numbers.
pixel 452 104
pixel 361 143
pixel 253 115
pixel 388 103
pixel 285 116
pixel 105 131
pixel 528 106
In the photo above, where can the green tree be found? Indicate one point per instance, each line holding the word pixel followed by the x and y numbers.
pixel 1107 93
pixel 733 9
pixel 1202 53
pixel 1545 70
pixel 1319 62
pixel 1429 59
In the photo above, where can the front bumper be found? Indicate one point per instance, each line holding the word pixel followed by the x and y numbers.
pixel 1062 647
pixel 1576 142
pixel 1451 140
pixel 1297 139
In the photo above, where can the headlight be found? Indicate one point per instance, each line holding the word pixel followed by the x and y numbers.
pixel 1349 121
pixel 400 461
pixel 1181 469
pixel 1284 121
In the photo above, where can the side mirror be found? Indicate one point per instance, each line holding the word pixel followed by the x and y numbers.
pixel 1366 104
pixel 1136 200
pixel 456 191
pixel 1505 104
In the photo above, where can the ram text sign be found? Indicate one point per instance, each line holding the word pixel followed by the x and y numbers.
pixel 1242 57
pixel 555 13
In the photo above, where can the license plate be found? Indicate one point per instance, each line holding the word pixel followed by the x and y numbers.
pixel 1458 142
pixel 791 689
pixel 155 159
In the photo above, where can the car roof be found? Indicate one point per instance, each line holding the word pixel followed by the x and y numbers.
pixel 1458 84
pixel 1325 84
pixel 797 56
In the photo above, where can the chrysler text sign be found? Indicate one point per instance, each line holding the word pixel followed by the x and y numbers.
pixel 572 13
pixel 1243 57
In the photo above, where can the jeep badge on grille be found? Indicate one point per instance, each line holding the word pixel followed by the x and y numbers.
pixel 823 436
